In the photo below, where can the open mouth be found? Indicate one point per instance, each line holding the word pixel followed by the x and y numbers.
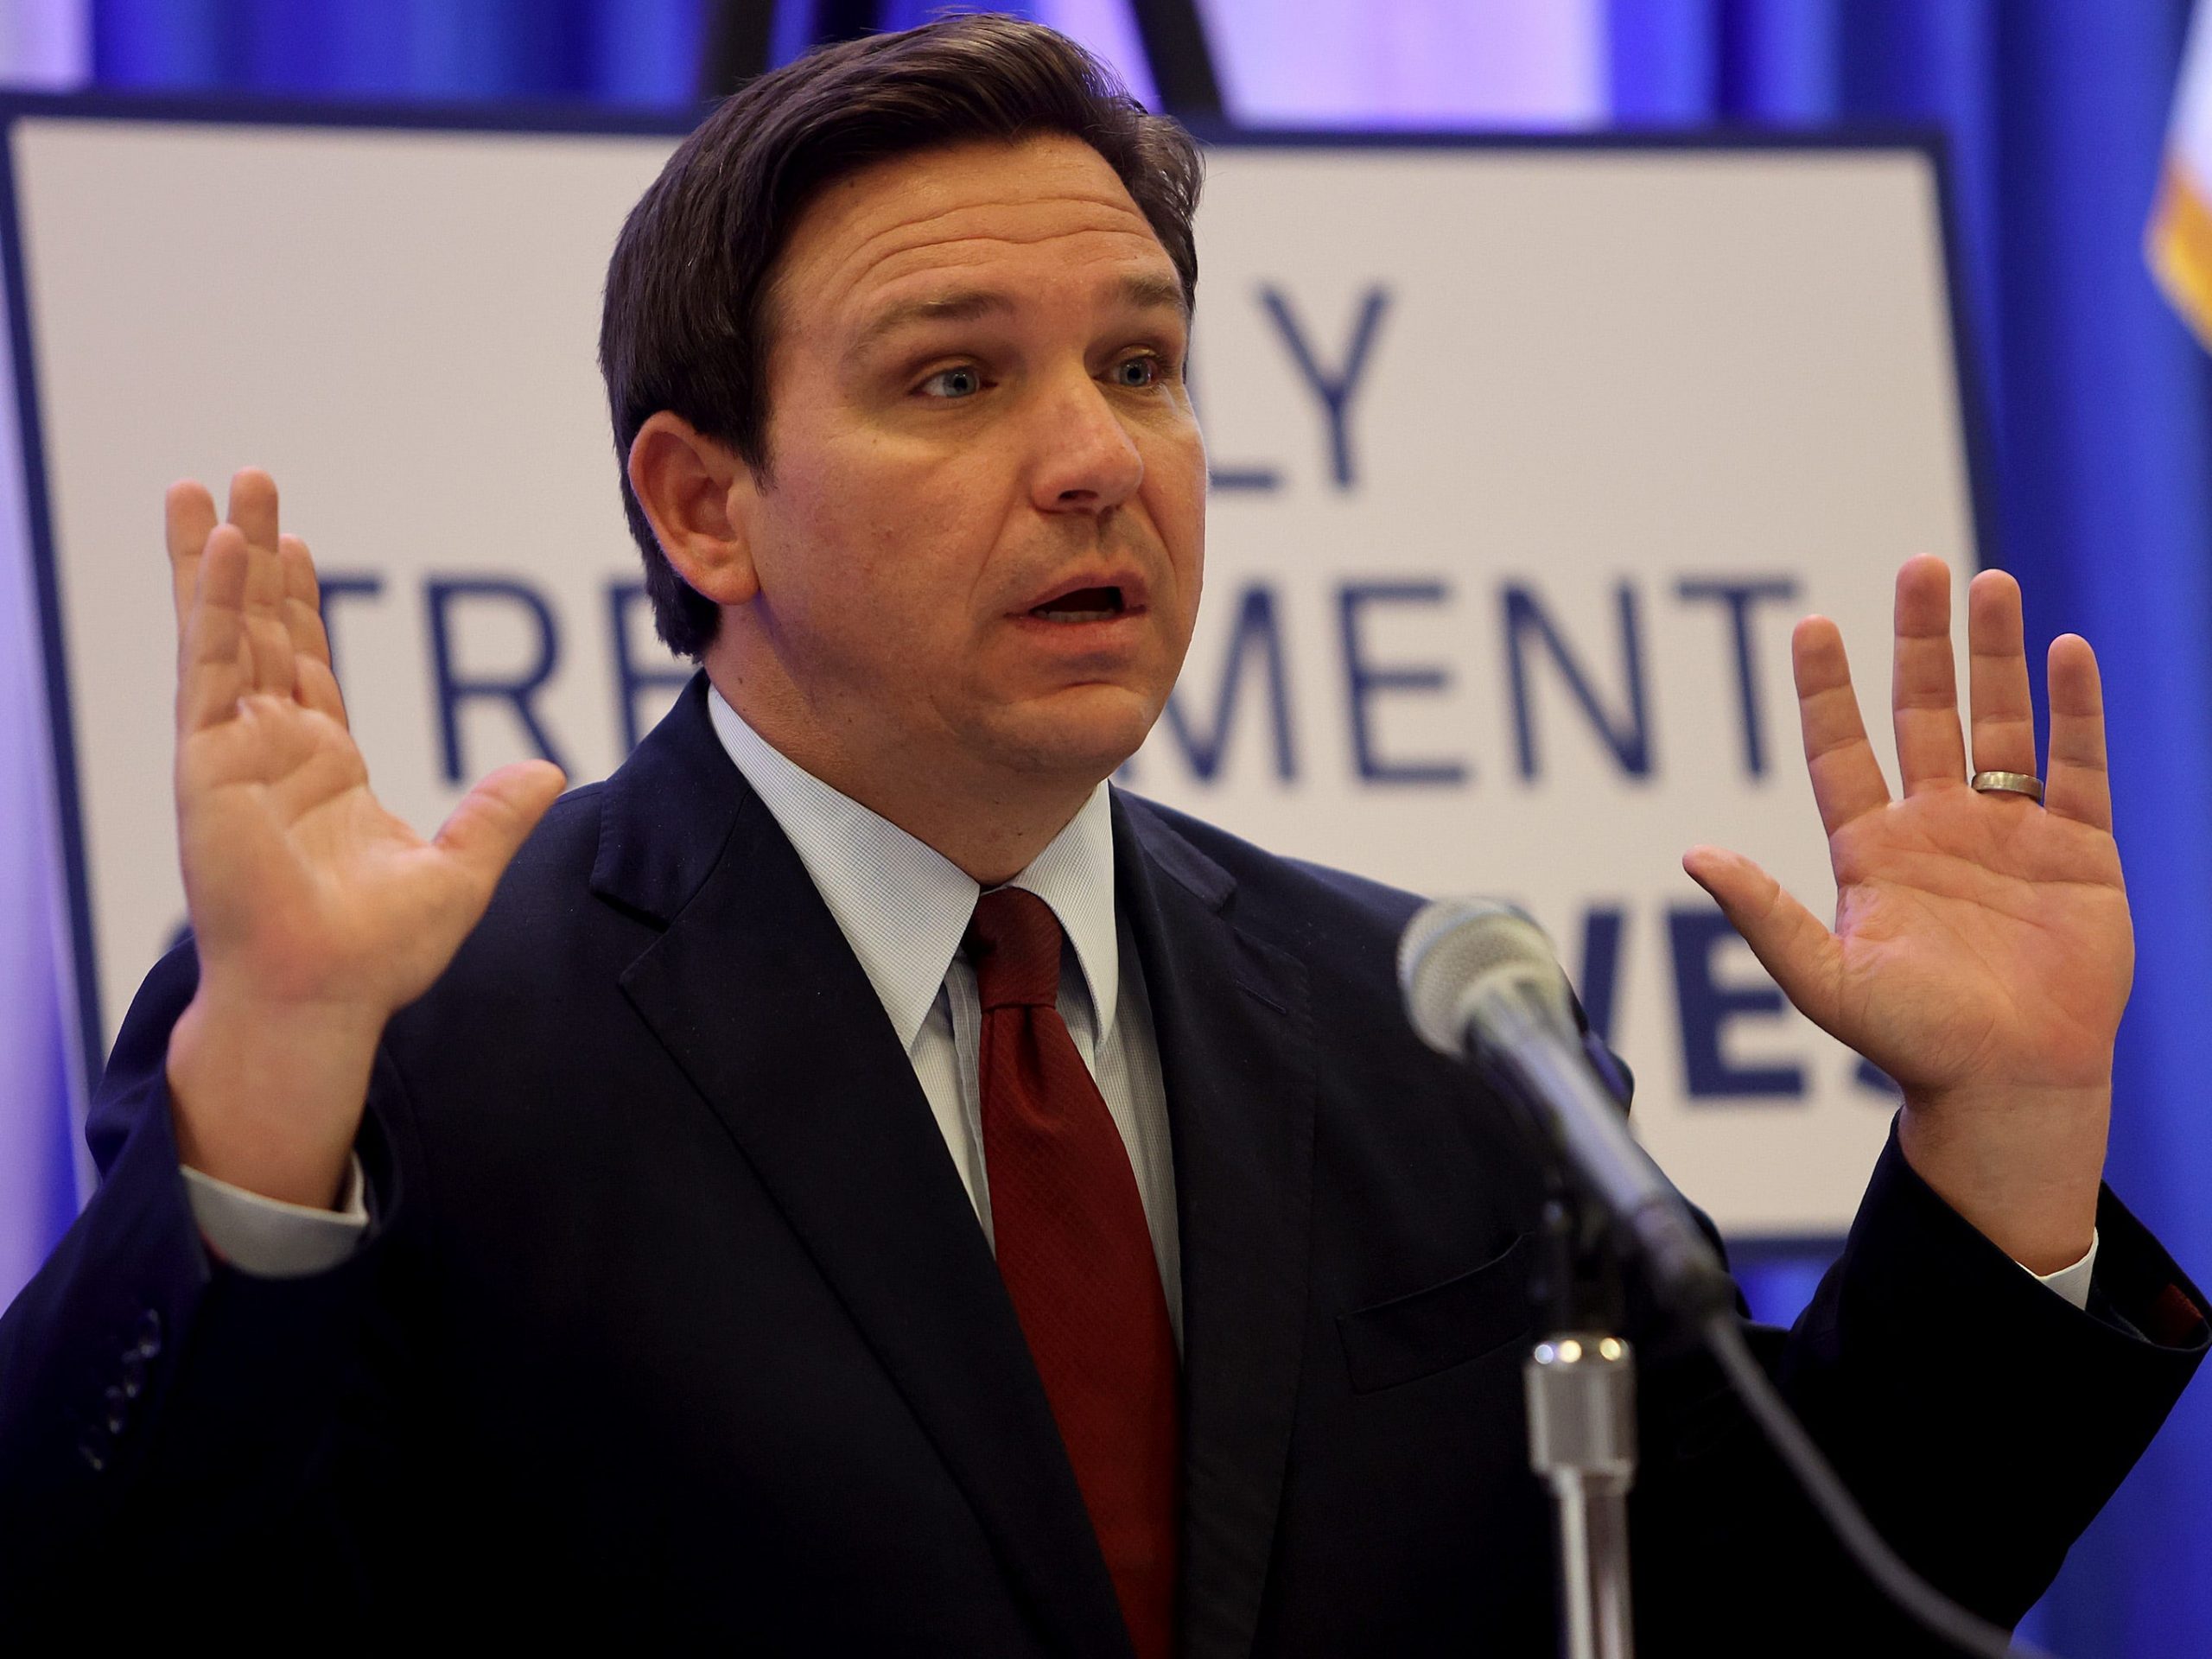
pixel 1082 605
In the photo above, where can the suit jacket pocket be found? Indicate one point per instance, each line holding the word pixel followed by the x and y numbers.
pixel 1408 1338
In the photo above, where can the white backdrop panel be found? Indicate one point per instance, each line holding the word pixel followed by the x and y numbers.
pixel 1526 459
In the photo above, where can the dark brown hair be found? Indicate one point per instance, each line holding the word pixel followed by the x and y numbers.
pixel 686 325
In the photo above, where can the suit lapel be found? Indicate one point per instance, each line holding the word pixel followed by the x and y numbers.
pixel 1236 1054
pixel 754 992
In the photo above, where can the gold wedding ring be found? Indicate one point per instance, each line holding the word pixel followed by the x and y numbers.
pixel 2008 783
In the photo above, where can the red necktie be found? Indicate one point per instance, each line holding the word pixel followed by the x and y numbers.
pixel 1077 1258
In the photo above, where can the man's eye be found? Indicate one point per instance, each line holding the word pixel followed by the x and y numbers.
pixel 1138 373
pixel 963 382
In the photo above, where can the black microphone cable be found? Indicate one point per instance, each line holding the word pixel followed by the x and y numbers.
pixel 1831 1501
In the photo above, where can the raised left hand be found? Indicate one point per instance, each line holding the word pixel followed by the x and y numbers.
pixel 1982 952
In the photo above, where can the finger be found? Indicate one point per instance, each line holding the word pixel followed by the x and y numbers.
pixel 253 507
pixel 1923 685
pixel 301 601
pixel 2004 717
pixel 493 819
pixel 2078 786
pixel 213 662
pixel 187 514
pixel 269 643
pixel 1847 777
pixel 253 510
pixel 314 684
pixel 1792 944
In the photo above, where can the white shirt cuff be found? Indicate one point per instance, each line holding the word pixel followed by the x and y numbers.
pixel 2073 1283
pixel 272 1239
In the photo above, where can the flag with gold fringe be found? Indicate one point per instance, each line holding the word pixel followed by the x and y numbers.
pixel 2180 241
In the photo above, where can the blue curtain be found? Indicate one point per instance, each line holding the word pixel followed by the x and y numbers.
pixel 2099 410
pixel 614 52
pixel 2100 414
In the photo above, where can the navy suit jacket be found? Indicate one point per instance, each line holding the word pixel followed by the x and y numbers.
pixel 674 1321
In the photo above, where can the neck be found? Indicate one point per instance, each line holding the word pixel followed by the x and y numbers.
pixel 990 822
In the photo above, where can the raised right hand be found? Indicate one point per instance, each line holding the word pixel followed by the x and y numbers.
pixel 317 912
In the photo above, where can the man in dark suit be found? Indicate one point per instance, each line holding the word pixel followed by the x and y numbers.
pixel 860 1184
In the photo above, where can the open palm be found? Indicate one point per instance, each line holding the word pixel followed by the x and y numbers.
pixel 1981 952
pixel 317 912
pixel 303 889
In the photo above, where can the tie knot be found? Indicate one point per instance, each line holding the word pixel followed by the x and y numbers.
pixel 1014 943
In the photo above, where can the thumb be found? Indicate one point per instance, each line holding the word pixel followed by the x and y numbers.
pixel 485 832
pixel 1792 944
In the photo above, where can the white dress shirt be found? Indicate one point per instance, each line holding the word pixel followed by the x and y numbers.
pixel 903 908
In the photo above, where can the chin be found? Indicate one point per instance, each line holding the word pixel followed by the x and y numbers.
pixel 1087 731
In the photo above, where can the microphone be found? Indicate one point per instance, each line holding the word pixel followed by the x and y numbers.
pixel 1481 984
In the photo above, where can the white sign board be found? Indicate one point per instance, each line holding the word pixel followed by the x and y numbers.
pixel 1526 457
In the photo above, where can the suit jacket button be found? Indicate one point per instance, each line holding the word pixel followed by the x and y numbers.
pixel 93 1452
pixel 118 1411
pixel 134 1373
pixel 150 1333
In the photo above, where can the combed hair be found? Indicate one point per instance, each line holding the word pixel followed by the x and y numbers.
pixel 687 326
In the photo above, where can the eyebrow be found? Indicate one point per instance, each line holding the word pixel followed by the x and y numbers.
pixel 1145 292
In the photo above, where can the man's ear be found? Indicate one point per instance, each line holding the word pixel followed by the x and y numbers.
pixel 697 492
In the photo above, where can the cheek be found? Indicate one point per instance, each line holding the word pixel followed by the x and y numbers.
pixel 882 552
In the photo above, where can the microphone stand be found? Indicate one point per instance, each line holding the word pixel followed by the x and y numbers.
pixel 1580 1380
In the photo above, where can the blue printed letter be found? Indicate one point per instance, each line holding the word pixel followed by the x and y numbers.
pixel 1739 597
pixel 1335 390
pixel 454 688
pixel 1227 476
pixel 1362 680
pixel 1628 737
pixel 1601 968
pixel 1707 1008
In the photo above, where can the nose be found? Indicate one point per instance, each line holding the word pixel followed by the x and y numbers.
pixel 1085 459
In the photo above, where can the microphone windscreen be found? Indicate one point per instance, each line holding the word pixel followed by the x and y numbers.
pixel 1456 950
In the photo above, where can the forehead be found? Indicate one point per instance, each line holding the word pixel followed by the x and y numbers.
pixel 1045 207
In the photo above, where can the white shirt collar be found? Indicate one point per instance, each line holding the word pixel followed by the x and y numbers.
pixel 904 906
